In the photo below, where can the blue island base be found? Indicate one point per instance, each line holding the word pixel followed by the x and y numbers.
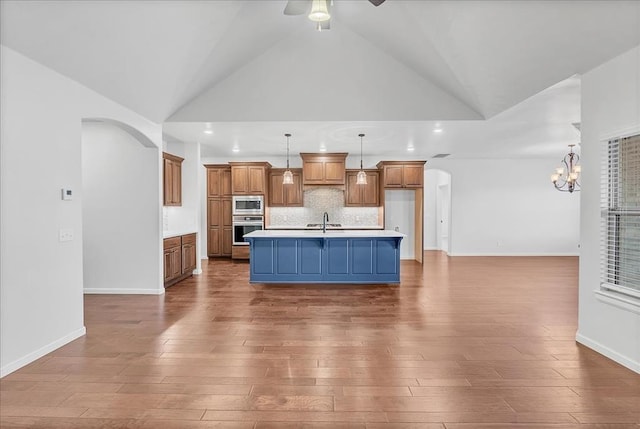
pixel 324 260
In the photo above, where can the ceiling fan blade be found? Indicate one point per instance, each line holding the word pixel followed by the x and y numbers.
pixel 296 7
pixel 376 2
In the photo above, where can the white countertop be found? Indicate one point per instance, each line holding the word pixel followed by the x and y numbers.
pixel 333 233
pixel 177 233
pixel 302 227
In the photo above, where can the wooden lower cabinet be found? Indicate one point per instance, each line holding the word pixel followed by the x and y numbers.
pixel 179 258
pixel 240 252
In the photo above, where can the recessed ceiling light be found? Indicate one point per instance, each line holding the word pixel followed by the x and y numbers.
pixel 437 130
pixel 208 131
pixel 236 149
pixel 410 148
pixel 323 148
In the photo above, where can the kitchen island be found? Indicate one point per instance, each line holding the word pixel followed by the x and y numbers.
pixel 344 256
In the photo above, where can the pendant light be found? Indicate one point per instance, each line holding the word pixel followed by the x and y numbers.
pixel 361 178
pixel 319 11
pixel 287 178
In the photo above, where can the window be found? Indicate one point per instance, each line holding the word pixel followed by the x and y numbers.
pixel 620 204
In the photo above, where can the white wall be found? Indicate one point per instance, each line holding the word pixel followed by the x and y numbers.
pixel 399 213
pixel 610 108
pixel 119 212
pixel 41 278
pixel 509 207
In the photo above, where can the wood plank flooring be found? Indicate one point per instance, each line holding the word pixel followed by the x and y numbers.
pixel 462 343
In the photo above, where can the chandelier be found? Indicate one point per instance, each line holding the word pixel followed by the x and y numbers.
pixel 566 176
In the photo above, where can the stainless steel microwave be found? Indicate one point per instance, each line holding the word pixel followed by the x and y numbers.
pixel 248 205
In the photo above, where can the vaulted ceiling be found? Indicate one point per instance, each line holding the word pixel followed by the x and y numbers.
pixel 230 61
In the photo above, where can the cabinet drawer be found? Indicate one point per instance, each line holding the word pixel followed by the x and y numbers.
pixel 172 242
pixel 189 239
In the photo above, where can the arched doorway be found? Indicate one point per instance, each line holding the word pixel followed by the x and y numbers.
pixel 121 210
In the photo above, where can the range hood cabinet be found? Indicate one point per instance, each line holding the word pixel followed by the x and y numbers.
pixel 323 169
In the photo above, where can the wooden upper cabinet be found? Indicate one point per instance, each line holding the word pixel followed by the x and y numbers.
pixel 393 176
pixel 172 179
pixel 402 174
pixel 281 195
pixel 218 180
pixel 323 168
pixel 362 195
pixel 413 175
pixel 249 178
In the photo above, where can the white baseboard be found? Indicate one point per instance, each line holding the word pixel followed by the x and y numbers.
pixel 633 365
pixel 511 254
pixel 27 359
pixel 122 291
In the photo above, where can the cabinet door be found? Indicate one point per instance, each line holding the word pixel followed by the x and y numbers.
pixel 276 189
pixel 213 242
pixel 213 212
pixel 176 262
pixel 313 172
pixel 227 241
pixel 188 258
pixel 227 218
pixel 239 180
pixel 393 176
pixel 353 193
pixel 334 172
pixel 167 182
pixel 371 191
pixel 176 183
pixel 293 192
pixel 413 176
pixel 214 182
pixel 256 180
pixel 168 269
pixel 225 182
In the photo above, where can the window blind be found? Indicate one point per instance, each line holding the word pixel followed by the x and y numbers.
pixel 620 203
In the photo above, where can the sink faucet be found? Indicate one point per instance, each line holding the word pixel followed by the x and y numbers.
pixel 325 219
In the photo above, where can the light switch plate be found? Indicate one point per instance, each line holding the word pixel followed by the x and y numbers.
pixel 67 194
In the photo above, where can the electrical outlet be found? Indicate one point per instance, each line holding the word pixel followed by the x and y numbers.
pixel 357 218
pixel 498 243
pixel 284 218
pixel 65 234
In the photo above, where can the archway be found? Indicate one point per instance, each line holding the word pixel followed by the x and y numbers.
pixel 121 209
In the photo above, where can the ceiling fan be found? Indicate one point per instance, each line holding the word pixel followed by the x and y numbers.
pixel 318 10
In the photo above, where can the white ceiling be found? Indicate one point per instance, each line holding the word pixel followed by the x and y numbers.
pixel 539 127
pixel 391 71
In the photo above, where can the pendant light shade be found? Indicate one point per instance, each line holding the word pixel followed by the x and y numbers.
pixel 287 178
pixel 361 178
pixel 319 11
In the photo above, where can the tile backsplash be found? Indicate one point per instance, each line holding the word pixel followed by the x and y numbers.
pixel 316 202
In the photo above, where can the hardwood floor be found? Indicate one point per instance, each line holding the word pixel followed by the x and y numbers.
pixel 461 343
